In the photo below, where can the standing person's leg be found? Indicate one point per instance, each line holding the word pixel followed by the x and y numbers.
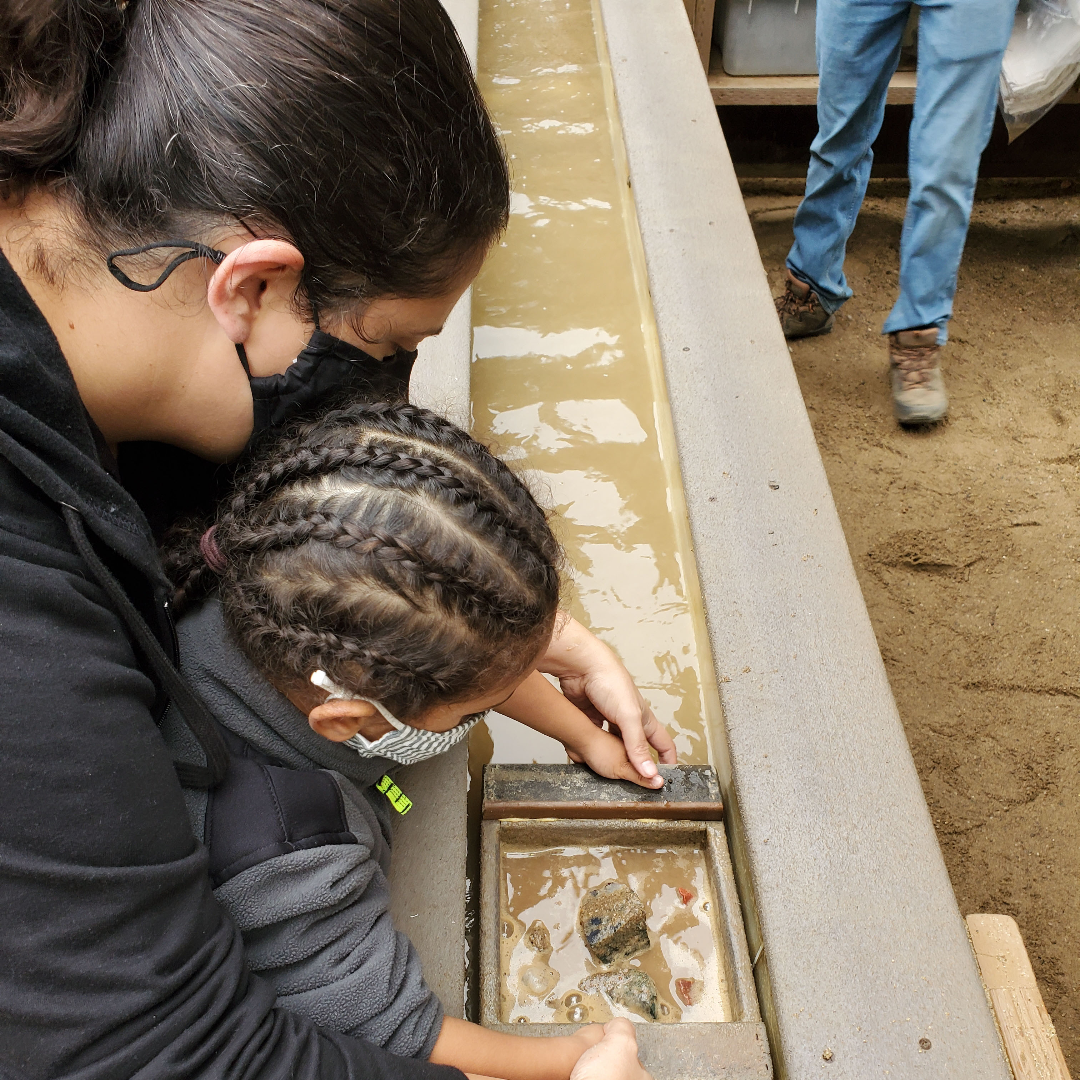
pixel 858 47
pixel 961 44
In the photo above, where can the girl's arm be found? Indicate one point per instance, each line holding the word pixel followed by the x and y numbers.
pixel 615 1057
pixel 595 680
pixel 476 1050
pixel 537 704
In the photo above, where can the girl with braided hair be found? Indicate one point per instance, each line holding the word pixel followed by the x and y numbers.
pixel 375 583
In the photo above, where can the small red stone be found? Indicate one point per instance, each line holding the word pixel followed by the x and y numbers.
pixel 685 895
pixel 685 988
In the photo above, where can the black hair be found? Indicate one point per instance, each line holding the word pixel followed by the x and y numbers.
pixel 353 128
pixel 385 546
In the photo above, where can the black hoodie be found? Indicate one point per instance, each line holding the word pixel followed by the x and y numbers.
pixel 115 959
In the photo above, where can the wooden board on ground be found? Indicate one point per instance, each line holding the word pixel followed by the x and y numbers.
pixel 1026 1028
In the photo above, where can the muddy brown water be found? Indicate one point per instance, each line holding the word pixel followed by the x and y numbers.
pixel 546 886
pixel 566 378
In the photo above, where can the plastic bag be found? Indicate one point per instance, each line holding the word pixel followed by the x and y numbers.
pixel 1041 63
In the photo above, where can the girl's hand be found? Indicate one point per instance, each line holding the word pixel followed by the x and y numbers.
pixel 595 680
pixel 605 754
pixel 585 1038
pixel 614 1057
pixel 537 704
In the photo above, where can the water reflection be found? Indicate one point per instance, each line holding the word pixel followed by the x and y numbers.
pixel 565 367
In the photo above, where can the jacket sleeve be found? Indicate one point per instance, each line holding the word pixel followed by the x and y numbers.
pixel 115 959
pixel 316 925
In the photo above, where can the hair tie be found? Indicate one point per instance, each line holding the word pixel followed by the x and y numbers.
pixel 211 553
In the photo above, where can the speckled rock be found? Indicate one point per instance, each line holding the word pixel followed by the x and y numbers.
pixel 611 919
pixel 538 939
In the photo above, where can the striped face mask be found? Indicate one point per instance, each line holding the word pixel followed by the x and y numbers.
pixel 405 744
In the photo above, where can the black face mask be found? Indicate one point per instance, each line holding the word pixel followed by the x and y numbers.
pixel 325 367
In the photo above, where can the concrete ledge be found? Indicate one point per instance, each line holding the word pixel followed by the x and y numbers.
pixel 427 877
pixel 704 1052
pixel 865 952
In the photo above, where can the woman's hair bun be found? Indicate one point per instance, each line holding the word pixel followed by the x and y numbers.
pixel 353 127
pixel 53 57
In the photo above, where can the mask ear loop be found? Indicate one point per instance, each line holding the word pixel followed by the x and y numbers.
pixel 324 682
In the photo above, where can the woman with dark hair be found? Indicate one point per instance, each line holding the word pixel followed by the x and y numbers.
pixel 214 213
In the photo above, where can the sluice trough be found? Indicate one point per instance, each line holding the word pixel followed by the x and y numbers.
pixel 622 345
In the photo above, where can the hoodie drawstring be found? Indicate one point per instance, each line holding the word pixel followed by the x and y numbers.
pixel 196 715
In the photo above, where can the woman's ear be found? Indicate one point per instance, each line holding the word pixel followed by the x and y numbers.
pixel 237 288
pixel 341 719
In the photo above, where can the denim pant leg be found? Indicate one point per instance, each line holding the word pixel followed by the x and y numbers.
pixel 961 44
pixel 858 47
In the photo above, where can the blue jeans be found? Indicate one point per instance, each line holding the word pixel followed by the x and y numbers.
pixel 961 43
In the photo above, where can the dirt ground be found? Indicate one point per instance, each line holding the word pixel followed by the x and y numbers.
pixel 966 540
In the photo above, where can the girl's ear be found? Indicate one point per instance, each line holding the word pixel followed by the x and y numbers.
pixel 236 289
pixel 339 720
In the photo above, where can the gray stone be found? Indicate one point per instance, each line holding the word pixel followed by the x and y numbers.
pixel 611 920
pixel 628 987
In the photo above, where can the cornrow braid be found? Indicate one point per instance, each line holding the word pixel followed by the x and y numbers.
pixel 454 585
pixel 433 428
pixel 384 545
pixel 310 463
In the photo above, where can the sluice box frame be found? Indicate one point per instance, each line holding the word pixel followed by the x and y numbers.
pixel 546 806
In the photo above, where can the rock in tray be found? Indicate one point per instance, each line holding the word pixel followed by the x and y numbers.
pixel 629 987
pixel 611 919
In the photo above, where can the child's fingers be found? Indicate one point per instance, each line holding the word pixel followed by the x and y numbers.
pixel 614 1057
pixel 626 771
pixel 660 739
pixel 591 1034
pixel 606 756
pixel 636 744
pixel 621 1029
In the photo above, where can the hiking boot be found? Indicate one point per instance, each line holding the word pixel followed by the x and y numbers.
pixel 800 310
pixel 918 390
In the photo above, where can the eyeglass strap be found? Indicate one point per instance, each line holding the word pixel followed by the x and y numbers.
pixel 197 251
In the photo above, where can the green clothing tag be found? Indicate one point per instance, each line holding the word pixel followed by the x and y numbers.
pixel 398 799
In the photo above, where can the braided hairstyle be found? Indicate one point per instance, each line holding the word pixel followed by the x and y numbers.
pixel 387 547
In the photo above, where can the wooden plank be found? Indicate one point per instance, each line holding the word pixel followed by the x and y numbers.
pixel 1027 1031
pixel 787 89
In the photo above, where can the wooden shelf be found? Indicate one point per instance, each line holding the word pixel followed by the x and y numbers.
pixel 802 89
pixel 787 89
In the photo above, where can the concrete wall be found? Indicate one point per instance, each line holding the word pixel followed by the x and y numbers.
pixel 865 953
pixel 427 878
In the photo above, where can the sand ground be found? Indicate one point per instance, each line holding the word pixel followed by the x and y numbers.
pixel 966 540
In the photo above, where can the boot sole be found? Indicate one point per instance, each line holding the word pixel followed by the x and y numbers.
pixel 917 418
pixel 827 328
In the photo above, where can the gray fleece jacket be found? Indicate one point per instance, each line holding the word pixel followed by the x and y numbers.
pixel 299 845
